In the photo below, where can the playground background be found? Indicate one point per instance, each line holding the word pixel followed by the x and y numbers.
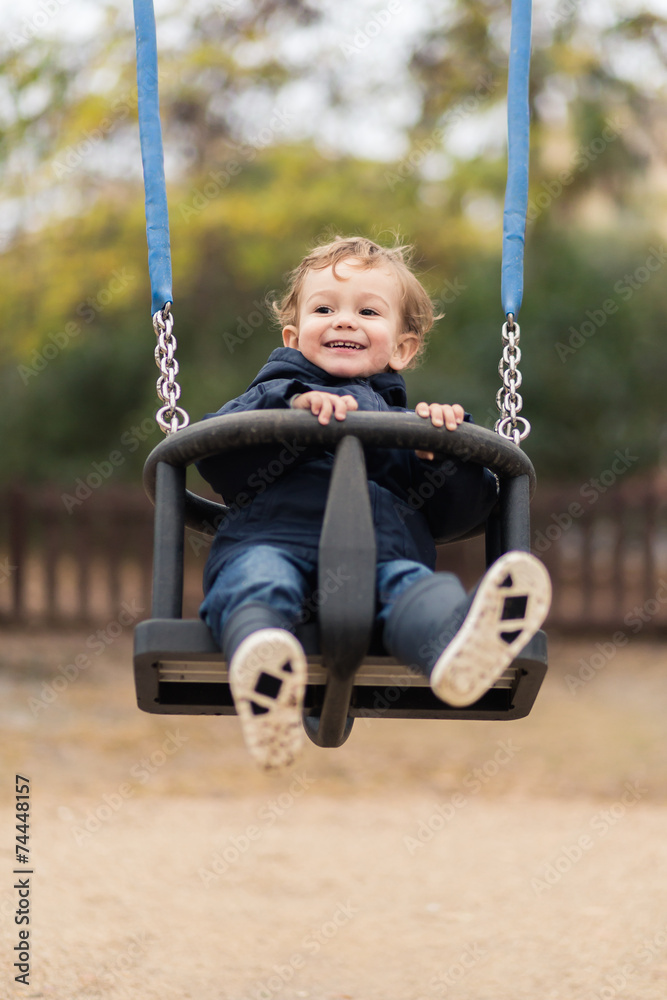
pixel 283 125
pixel 268 150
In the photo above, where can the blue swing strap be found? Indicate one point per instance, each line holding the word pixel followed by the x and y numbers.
pixel 170 417
pixel 508 399
pixel 518 126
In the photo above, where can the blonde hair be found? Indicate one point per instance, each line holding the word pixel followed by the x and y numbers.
pixel 418 313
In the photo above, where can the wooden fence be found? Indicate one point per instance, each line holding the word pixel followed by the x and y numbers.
pixel 89 564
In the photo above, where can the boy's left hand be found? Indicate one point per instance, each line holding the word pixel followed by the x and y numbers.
pixel 441 415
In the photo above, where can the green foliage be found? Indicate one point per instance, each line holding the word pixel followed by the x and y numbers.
pixel 77 374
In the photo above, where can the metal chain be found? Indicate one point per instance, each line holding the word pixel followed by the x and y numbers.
pixel 508 400
pixel 170 417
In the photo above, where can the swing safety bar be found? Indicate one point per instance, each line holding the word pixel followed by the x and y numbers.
pixel 180 670
pixel 387 430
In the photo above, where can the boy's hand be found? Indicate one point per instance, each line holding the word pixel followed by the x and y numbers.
pixel 323 404
pixel 441 415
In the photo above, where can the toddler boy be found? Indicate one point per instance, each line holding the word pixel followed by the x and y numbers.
pixel 353 318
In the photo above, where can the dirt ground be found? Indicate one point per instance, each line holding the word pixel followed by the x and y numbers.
pixel 482 861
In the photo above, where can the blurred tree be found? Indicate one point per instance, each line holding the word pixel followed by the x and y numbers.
pixel 597 90
pixel 246 200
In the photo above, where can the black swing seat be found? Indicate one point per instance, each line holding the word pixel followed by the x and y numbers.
pixel 180 670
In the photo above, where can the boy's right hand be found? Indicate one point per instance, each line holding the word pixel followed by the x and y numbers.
pixel 323 404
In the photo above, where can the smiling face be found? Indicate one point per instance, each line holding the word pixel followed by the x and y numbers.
pixel 351 322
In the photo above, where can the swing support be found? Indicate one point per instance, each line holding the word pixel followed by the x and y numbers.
pixel 178 668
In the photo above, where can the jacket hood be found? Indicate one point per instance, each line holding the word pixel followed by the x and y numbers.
pixel 288 363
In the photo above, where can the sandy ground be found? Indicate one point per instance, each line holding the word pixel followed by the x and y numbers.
pixel 482 861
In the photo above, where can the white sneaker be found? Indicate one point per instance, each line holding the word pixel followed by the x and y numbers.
pixel 510 604
pixel 267 675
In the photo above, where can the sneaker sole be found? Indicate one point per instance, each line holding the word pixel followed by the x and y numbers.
pixel 267 676
pixel 478 655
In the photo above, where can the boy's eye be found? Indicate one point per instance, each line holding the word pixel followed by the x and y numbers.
pixel 368 312
pixel 323 309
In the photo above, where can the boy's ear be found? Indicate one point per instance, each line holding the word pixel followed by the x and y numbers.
pixel 291 337
pixel 405 350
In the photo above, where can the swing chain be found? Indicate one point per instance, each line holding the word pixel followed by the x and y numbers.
pixel 508 400
pixel 170 417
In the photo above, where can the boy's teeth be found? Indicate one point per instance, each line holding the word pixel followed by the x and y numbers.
pixel 344 343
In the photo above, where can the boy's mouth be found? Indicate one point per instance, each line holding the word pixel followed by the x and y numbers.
pixel 345 345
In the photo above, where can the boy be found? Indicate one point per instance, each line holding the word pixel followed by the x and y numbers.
pixel 353 318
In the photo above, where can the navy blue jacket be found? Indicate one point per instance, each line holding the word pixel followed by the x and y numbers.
pixel 278 494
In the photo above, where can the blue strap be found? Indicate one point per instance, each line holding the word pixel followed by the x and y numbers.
pixel 150 131
pixel 518 127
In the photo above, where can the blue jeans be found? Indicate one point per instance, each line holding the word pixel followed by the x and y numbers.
pixel 286 582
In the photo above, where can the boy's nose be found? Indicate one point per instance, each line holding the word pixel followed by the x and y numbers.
pixel 345 321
